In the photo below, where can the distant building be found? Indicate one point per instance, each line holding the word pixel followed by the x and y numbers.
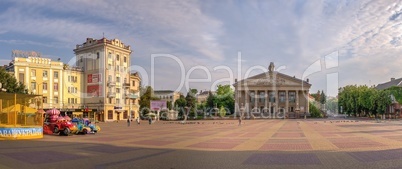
pixel 167 95
pixel 393 110
pixel 272 92
pixel 73 79
pixel 134 94
pixel 203 96
pixel 391 83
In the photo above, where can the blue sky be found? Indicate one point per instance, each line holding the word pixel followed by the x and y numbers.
pixel 333 43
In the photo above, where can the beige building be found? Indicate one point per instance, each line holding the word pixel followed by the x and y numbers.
pixel 272 95
pixel 203 96
pixel 167 95
pixel 106 77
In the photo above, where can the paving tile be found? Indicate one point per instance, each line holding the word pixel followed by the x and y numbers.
pixel 40 157
pixel 283 159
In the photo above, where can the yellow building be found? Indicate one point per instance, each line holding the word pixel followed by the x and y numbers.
pixel 106 77
pixel 41 76
pixel 134 95
pixel 72 91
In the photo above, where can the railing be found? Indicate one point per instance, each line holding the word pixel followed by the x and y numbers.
pixel 109 83
pixel 111 94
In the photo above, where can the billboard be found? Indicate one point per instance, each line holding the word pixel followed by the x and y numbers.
pixel 94 78
pixel 158 104
pixel 94 90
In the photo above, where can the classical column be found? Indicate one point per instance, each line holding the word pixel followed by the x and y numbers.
pixel 307 109
pixel 276 101
pixel 287 101
pixel 247 104
pixel 255 98
pixel 266 97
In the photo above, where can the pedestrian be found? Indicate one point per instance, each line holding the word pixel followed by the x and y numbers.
pixel 149 120
pixel 240 121
pixel 138 121
pixel 128 122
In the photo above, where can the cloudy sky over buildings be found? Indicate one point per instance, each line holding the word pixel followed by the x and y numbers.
pixel 333 43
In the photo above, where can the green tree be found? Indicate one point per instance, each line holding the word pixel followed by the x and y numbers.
pixel 11 84
pixel 180 104
pixel 323 97
pixel 225 97
pixel 211 99
pixel 314 111
pixel 145 99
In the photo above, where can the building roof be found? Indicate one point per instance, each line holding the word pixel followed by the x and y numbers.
pixel 393 82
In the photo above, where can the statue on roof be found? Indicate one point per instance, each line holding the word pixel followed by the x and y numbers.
pixel 271 67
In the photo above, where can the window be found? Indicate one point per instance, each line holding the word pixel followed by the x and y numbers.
pixel 118 79
pixel 271 97
pixel 282 97
pixel 110 55
pixel 124 69
pixel 117 57
pixel 69 90
pixel 44 73
pixel 33 73
pixel 56 75
pixel 125 59
pixel 117 90
pixel 109 67
pixel 110 114
pixel 117 101
pixel 125 80
pixel 21 77
pixel 69 78
pixel 110 100
pixel 252 98
pixel 56 100
pixel 117 68
pixel 69 101
pixel 44 100
pixel 33 85
pixel 75 100
pixel 44 86
pixel 109 78
pixel 56 86
pixel 97 55
pixel 133 83
pixel 262 97
pixel 292 97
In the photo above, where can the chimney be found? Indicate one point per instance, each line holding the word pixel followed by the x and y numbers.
pixel 235 80
pixel 307 80
pixel 392 79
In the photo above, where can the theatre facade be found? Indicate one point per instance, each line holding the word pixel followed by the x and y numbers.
pixel 272 95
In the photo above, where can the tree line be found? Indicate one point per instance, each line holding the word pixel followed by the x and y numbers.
pixel 223 100
pixel 363 100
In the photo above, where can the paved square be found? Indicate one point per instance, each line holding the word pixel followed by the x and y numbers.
pixel 267 143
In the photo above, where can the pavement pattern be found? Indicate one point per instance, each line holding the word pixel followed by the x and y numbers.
pixel 324 143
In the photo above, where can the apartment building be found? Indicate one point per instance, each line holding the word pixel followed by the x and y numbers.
pixel 41 76
pixel 106 77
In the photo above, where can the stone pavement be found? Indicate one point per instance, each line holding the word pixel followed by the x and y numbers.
pixel 326 143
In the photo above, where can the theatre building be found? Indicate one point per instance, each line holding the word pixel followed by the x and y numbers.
pixel 272 95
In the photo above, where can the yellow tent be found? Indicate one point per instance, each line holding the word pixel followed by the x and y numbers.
pixel 19 108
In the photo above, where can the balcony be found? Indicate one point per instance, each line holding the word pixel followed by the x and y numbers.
pixel 110 83
pixel 111 94
pixel 130 96
pixel 126 84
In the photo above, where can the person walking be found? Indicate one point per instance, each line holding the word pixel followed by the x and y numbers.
pixel 128 122
pixel 240 121
pixel 149 120
pixel 138 121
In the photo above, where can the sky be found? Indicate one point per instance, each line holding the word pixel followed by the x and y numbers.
pixel 198 44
